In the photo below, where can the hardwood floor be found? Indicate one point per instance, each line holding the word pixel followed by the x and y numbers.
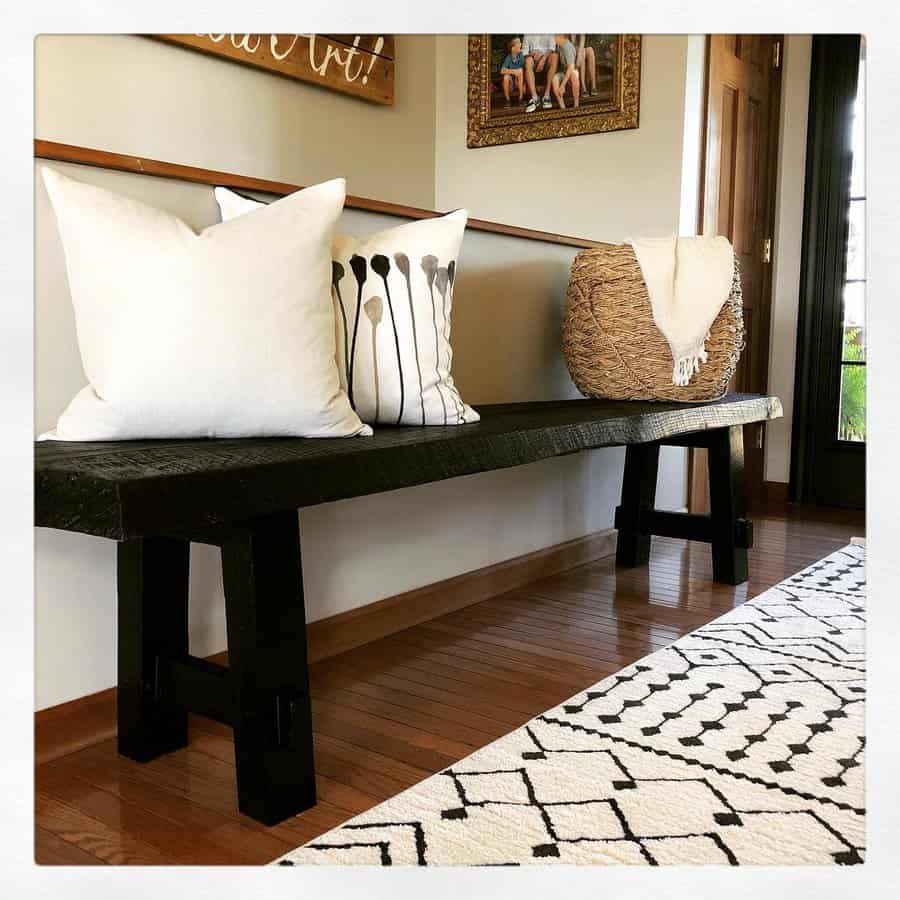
pixel 390 713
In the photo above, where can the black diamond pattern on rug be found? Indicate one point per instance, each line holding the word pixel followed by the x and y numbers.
pixel 741 743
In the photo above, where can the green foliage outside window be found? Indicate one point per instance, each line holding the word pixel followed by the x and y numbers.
pixel 852 421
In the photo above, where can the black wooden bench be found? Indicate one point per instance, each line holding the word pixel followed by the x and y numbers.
pixel 156 497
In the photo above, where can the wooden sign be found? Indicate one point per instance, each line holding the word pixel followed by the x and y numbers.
pixel 361 65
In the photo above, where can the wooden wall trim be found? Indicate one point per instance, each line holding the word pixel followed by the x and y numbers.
pixel 63 729
pixel 775 493
pixel 121 162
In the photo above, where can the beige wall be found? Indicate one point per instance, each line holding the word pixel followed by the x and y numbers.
pixel 136 95
pixel 602 186
pixel 788 247
pixel 506 339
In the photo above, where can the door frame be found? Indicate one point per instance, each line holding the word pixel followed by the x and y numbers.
pixel 822 272
pixel 698 473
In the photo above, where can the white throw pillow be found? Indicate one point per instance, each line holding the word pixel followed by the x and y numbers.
pixel 225 333
pixel 393 293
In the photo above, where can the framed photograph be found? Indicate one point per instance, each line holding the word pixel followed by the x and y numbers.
pixel 531 87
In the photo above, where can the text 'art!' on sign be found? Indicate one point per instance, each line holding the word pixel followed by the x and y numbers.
pixel 361 65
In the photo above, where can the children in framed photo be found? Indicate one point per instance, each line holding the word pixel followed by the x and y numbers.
pixel 530 87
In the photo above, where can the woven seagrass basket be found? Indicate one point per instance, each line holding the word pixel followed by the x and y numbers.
pixel 612 346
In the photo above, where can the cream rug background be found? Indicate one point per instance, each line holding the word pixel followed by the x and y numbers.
pixel 742 743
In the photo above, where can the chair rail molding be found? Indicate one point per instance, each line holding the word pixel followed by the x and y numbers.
pixel 139 165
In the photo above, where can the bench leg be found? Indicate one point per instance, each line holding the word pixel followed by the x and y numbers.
pixel 638 496
pixel 266 624
pixel 728 506
pixel 153 623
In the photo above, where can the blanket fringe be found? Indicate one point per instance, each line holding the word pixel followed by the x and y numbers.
pixel 688 364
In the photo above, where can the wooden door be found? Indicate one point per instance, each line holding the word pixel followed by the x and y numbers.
pixel 738 201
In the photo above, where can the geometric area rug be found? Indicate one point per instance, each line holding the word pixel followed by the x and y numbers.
pixel 741 743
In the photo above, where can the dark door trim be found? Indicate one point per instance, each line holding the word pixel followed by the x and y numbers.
pixel 825 470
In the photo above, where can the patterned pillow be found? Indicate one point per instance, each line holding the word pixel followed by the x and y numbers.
pixel 393 295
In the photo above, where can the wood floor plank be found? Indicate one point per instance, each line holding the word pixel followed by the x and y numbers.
pixel 121 782
pixel 436 692
pixel 471 730
pixel 390 713
pixel 109 844
pixel 391 729
pixel 549 631
pixel 52 850
pixel 425 658
pixel 553 653
pixel 177 841
pixel 454 710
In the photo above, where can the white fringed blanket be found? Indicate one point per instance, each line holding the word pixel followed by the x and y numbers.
pixel 688 280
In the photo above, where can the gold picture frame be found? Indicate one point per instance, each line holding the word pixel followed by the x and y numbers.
pixel 615 107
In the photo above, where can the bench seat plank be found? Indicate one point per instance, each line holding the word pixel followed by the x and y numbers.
pixel 123 490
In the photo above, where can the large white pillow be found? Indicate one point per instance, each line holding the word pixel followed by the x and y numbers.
pixel 393 293
pixel 225 333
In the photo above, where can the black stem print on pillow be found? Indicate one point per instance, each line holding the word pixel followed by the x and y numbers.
pixel 451 277
pixel 430 266
pixel 374 309
pixel 358 264
pixel 337 273
pixel 401 260
pixel 381 265
pixel 442 280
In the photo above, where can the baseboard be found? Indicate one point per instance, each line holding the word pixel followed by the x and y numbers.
pixel 63 729
pixel 775 493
